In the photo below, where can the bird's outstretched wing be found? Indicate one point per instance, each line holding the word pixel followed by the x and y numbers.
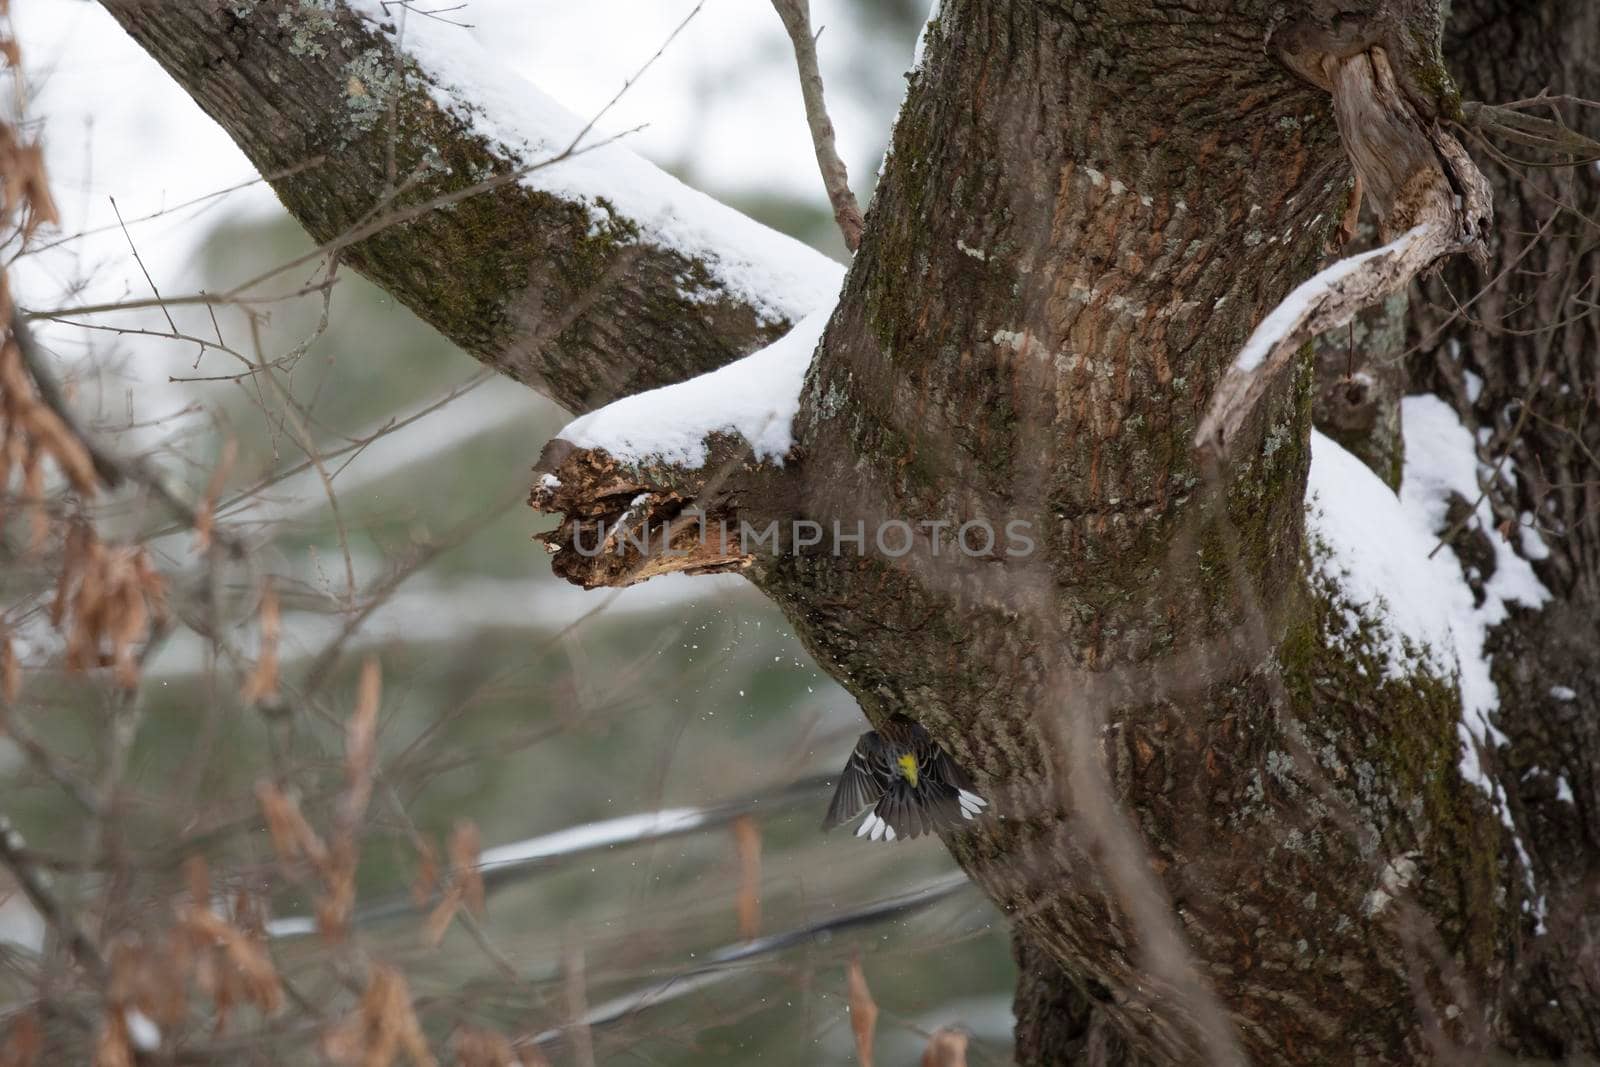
pixel 952 773
pixel 860 785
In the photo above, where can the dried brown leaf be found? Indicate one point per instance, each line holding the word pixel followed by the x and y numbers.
pixel 747 838
pixel 863 1013
pixel 465 886
pixel 257 979
pixel 427 880
pixel 439 918
pixel 483 1048
pixel 30 176
pixel 946 1048
pixel 360 758
pixel 360 742
pixel 205 513
pixel 10 670
pixel 262 685
pixel 465 846
pixel 63 446
pixel 381 1028
pixel 292 836
pixel 111 1047
pixel 23 1043
pixel 197 877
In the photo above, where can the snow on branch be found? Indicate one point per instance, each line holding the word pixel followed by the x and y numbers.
pixel 530 236
pixel 647 485
pixel 1431 202
pixel 1323 302
pixel 782 277
pixel 755 398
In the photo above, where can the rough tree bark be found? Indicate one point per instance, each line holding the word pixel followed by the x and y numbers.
pixel 1533 340
pixel 1232 829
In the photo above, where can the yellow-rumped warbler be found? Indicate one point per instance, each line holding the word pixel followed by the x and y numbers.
pixel 911 783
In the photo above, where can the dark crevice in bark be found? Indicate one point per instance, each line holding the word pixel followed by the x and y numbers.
pixel 1361 378
pixel 1060 1018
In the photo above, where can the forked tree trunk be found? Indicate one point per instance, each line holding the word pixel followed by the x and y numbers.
pixel 1228 825
pixel 1081 220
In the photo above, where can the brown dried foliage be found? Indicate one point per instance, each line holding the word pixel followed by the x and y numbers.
pixel 112 1047
pixel 202 952
pixel 24 187
pixel 294 839
pixel 23 1043
pixel 231 966
pixel 485 1048
pixel 31 431
pixel 205 515
pixel 863 1013
pixel 108 597
pixel 10 669
pixel 382 1028
pixel 946 1048
pixel 427 880
pixel 747 838
pixel 261 687
pixel 465 887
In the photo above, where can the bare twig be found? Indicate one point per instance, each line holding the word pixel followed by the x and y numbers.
pixel 796 16
pixel 112 469
pixel 45 903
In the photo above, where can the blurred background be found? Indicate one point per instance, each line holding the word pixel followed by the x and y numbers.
pixel 626 757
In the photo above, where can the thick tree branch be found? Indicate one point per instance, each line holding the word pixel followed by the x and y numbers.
pixel 407 114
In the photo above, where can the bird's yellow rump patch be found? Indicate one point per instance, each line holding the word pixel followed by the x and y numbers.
pixel 908 767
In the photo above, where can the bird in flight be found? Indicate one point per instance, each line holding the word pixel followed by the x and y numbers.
pixel 910 782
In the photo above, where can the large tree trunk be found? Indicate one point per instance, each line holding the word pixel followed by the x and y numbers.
pixel 1058 376
pixel 1230 824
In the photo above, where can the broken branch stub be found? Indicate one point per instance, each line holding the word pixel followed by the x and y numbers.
pixel 1431 202
pixel 662 482
pixel 624 523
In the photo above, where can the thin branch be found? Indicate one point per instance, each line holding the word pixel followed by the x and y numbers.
pixel 142 268
pixel 45 903
pixel 796 16
pixel 112 469
pixel 725 961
